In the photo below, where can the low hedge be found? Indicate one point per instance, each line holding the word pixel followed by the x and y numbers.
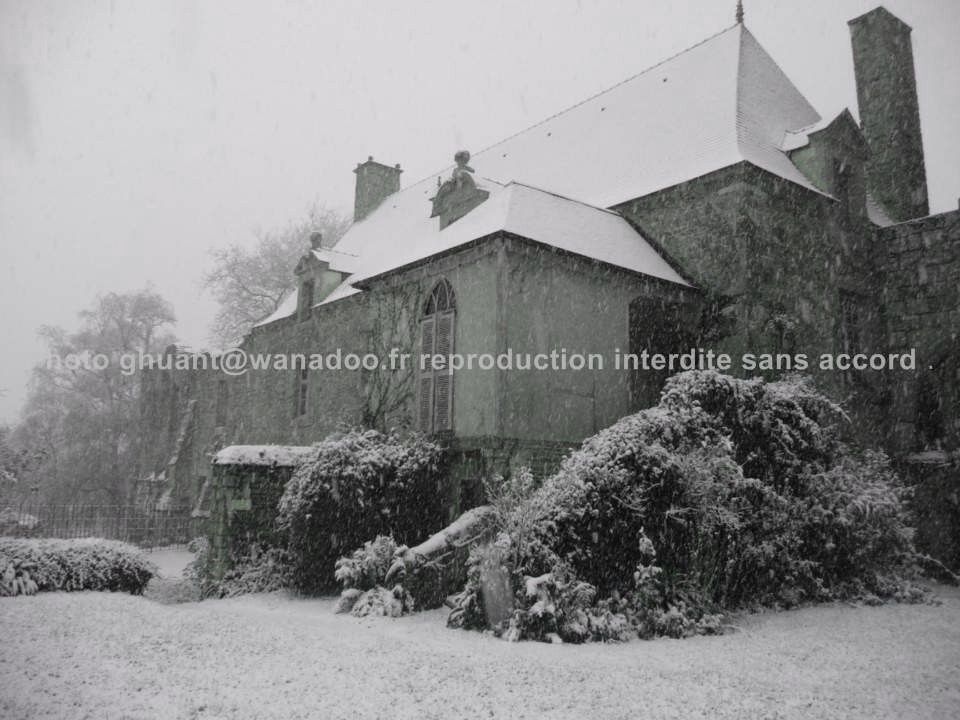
pixel 32 565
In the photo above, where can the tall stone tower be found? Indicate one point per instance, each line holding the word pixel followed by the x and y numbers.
pixel 890 113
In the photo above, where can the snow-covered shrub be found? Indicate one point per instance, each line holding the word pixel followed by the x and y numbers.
pixel 363 571
pixel 429 571
pixel 196 568
pixel 263 570
pixel 729 493
pixel 363 576
pixel 83 564
pixel 366 567
pixel 360 485
pixel 380 601
pixel 16 579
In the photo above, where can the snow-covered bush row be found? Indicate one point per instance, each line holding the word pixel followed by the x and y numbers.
pixel 65 565
pixel 728 494
pixel 361 484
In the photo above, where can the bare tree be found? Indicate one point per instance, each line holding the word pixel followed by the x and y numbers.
pixel 250 283
pixel 82 415
pixel 394 327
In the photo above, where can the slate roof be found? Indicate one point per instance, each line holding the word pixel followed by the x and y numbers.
pixel 412 236
pixel 719 103
pixel 716 104
pixel 516 208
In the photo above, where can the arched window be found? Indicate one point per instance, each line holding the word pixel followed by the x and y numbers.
pixel 435 395
pixel 441 299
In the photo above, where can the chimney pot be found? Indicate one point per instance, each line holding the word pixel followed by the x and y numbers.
pixel 316 240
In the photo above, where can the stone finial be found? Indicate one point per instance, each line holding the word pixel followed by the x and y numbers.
pixel 462 172
pixel 458 195
pixel 739 12
pixel 316 240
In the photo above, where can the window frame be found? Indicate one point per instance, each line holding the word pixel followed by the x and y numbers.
pixel 301 393
pixel 437 334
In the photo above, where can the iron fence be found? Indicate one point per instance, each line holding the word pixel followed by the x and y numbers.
pixel 148 528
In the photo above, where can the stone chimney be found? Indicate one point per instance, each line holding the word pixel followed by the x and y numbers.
pixel 375 182
pixel 890 113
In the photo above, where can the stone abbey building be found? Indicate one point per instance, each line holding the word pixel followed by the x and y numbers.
pixel 701 203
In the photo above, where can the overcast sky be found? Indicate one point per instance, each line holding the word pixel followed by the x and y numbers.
pixel 135 136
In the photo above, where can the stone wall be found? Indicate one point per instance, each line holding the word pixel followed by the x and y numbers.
pixel 776 261
pixel 179 415
pixel 509 294
pixel 922 301
pixel 243 511
pixel 554 301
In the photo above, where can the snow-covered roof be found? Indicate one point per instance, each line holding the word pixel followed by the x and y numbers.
pixel 795 139
pixel 515 208
pixel 719 103
pixel 716 104
pixel 287 307
pixel 336 259
pixel 336 256
pixel 267 455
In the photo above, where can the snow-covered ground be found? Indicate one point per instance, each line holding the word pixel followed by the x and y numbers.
pixel 102 655
pixel 170 562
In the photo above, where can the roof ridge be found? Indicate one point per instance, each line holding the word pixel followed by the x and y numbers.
pixel 589 98
pixel 333 249
pixel 561 196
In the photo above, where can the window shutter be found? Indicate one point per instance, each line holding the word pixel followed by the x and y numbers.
pixel 426 402
pixel 425 399
pixel 443 380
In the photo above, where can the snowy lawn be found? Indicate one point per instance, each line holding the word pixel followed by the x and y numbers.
pixel 103 655
pixel 169 586
pixel 170 562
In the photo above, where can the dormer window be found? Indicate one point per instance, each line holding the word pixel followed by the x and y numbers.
pixel 458 195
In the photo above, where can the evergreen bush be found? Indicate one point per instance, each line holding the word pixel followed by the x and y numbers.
pixel 361 484
pixel 729 494
pixel 68 565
